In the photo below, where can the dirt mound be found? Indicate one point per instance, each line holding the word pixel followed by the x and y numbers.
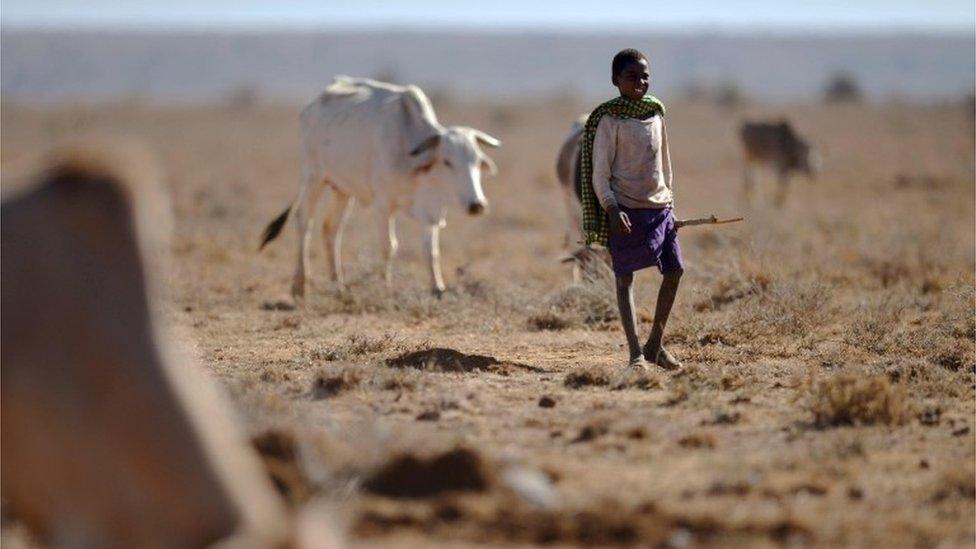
pixel 407 476
pixel 440 359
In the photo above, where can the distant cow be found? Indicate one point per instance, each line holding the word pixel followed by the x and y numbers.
pixel 778 146
pixel 585 260
pixel 381 144
pixel 107 441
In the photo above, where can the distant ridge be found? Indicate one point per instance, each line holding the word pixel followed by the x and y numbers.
pixel 199 65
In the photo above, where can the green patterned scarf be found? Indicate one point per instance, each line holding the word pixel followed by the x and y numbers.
pixel 594 218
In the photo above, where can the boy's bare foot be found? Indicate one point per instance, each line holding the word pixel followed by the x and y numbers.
pixel 639 364
pixel 665 360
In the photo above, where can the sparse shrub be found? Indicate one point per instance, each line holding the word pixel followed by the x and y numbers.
pixel 873 324
pixel 591 302
pixel 739 284
pixel 843 88
pixel 550 320
pixel 955 356
pixel 852 399
pixel 356 345
pixel 788 308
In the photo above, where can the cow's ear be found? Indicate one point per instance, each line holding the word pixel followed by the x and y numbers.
pixel 489 164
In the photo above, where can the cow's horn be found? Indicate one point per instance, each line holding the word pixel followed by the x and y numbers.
pixel 486 139
pixel 426 144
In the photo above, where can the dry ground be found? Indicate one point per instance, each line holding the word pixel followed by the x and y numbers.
pixel 828 394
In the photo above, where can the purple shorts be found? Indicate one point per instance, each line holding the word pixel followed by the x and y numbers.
pixel 653 241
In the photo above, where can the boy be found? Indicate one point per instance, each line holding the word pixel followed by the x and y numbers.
pixel 627 200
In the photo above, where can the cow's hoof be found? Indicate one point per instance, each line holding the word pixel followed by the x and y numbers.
pixel 439 292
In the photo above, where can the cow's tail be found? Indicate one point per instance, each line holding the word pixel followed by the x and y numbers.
pixel 274 228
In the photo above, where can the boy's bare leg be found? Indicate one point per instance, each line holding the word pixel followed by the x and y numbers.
pixel 665 299
pixel 625 302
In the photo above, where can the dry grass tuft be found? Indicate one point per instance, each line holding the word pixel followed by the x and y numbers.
pixel 357 345
pixel 629 379
pixel 590 376
pixel 603 376
pixel 336 379
pixel 591 302
pixel 851 399
pixel 550 320
pixel 747 280
pixel 957 482
pixel 697 440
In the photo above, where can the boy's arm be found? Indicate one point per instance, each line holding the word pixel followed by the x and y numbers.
pixel 668 175
pixel 604 149
pixel 604 146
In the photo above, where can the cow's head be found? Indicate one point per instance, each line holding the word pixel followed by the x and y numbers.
pixel 806 159
pixel 454 157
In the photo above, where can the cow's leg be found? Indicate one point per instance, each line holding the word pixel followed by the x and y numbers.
pixel 574 236
pixel 748 183
pixel 432 248
pixel 304 214
pixel 336 213
pixel 782 186
pixel 388 242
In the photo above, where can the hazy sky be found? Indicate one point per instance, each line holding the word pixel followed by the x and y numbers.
pixel 569 14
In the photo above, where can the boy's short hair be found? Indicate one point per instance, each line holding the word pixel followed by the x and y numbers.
pixel 623 57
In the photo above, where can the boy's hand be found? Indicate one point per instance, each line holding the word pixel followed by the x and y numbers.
pixel 619 222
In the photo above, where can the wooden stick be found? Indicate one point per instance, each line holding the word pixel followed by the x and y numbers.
pixel 711 220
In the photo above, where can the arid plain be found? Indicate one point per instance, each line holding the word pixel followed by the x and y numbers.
pixel 827 396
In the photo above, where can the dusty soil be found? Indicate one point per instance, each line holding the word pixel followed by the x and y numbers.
pixel 827 396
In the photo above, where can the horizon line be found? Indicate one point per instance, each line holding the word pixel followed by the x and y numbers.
pixel 304 28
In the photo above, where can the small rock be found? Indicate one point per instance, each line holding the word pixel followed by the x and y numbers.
pixel 532 486
pixel 960 432
pixel 547 402
pixel 637 433
pixel 855 493
pixel 924 464
pixel 679 539
pixel 591 432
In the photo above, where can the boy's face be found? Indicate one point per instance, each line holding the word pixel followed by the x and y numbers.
pixel 632 80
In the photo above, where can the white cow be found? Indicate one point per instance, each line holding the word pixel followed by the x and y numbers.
pixel 380 144
pixel 566 174
pixel 587 261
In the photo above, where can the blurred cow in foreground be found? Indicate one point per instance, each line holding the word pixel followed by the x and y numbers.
pixel 778 146
pixel 586 261
pixel 107 440
pixel 381 144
